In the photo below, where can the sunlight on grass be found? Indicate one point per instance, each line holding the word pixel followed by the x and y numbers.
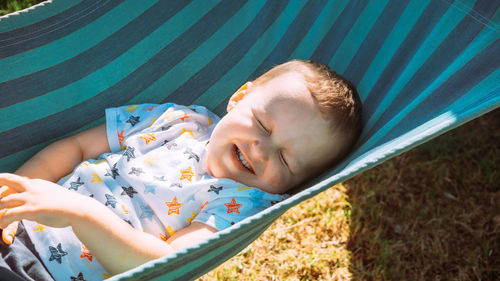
pixel 10 6
pixel 431 213
pixel 309 242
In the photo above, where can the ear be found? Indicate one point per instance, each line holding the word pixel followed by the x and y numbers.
pixel 238 95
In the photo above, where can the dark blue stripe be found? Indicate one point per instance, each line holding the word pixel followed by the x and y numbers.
pixel 227 58
pixel 423 27
pixel 86 63
pixel 335 36
pixel 442 57
pixel 48 22
pixel 292 38
pixel 240 46
pixel 124 90
pixel 374 40
pixel 470 75
pixel 39 37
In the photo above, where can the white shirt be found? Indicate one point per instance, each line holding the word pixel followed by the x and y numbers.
pixel 154 178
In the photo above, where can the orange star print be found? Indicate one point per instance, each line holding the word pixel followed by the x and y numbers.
pixel 151 108
pixel 121 137
pixel 189 220
pixel 184 117
pixel 174 207
pixel 189 132
pixel 148 138
pixel 39 227
pixel 163 237
pixel 187 174
pixel 233 207
pixel 171 231
pixel 86 253
pixel 203 206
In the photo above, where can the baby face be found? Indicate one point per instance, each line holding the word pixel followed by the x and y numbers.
pixel 273 136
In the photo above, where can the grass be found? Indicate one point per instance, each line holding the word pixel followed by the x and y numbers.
pixel 9 6
pixel 432 213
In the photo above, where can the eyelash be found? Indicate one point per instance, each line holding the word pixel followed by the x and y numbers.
pixel 269 132
pixel 283 160
pixel 262 126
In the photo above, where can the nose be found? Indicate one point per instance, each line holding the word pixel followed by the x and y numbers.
pixel 261 149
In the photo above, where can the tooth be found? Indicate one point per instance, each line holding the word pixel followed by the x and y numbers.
pixel 242 160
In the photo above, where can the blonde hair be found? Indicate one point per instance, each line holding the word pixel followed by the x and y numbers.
pixel 337 97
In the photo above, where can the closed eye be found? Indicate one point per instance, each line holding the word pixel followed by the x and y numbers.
pixel 261 126
pixel 284 161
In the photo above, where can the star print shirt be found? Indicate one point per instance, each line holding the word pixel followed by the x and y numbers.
pixel 154 178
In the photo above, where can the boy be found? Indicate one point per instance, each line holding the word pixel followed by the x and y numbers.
pixel 175 174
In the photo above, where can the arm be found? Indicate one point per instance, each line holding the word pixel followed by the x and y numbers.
pixel 119 247
pixel 59 159
pixel 116 245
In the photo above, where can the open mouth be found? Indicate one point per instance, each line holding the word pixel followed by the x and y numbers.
pixel 242 160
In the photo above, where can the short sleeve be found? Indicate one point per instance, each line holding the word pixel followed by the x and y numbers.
pixel 124 121
pixel 224 212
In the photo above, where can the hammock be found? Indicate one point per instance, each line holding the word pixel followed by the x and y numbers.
pixel 422 67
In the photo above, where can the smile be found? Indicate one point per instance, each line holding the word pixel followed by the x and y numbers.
pixel 242 160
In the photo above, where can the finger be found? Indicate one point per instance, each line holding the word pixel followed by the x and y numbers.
pixel 8 216
pixel 12 200
pixel 5 190
pixel 9 233
pixel 15 182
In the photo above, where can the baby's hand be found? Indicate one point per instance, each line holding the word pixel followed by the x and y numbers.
pixel 34 199
pixel 10 231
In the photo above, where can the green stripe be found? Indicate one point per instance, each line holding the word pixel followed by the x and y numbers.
pixel 93 84
pixel 259 51
pixel 458 63
pixel 391 45
pixel 445 25
pixel 319 29
pixel 12 162
pixel 356 35
pixel 248 234
pixel 73 44
pixel 478 93
pixel 195 61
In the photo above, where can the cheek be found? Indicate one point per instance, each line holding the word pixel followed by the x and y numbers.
pixel 274 178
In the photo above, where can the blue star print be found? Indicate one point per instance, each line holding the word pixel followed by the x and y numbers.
pixel 130 191
pixel 162 178
pixel 215 189
pixel 113 173
pixel 57 253
pixel 110 200
pixel 176 184
pixel 136 171
pixel 146 212
pixel 150 189
pixel 191 154
pixel 78 278
pixel 133 120
pixel 129 152
pixel 256 193
pixel 75 184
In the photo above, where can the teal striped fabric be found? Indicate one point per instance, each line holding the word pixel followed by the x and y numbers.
pixel 422 67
